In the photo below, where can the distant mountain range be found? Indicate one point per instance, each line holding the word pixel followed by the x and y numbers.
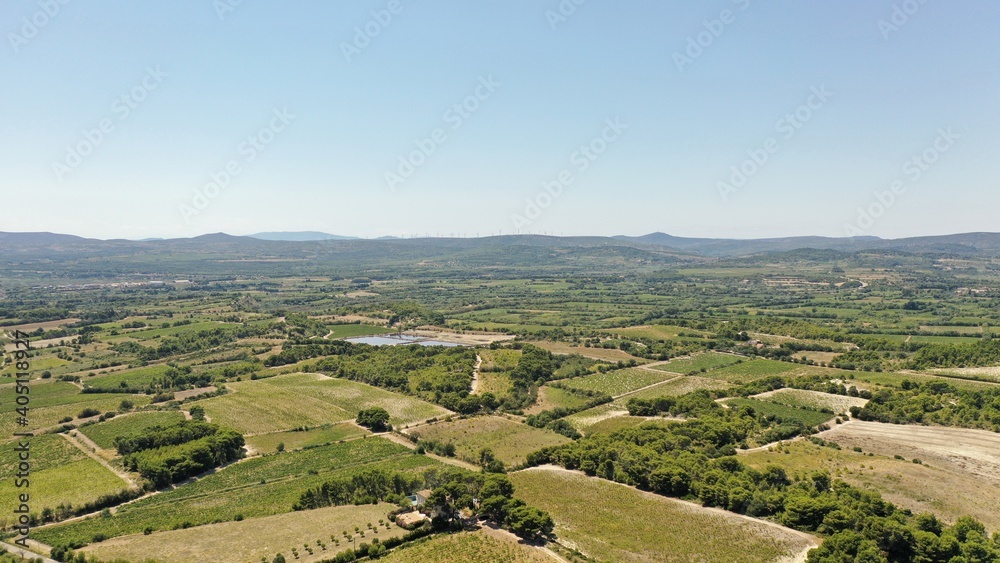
pixel 298 236
pixel 297 243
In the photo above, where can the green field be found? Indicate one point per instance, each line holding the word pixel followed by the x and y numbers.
pixel 129 425
pixel 611 522
pixel 752 370
pixel 53 401
pixel 298 439
pixel 289 401
pixel 60 473
pixel 134 378
pixel 700 362
pixel 785 413
pixel 812 399
pixel 617 382
pixel 257 487
pixel 510 441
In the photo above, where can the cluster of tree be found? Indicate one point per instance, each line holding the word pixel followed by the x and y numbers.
pixel 367 487
pixel 188 342
pixel 691 460
pixel 985 352
pixel 934 402
pixel 552 419
pixel 690 404
pixel 170 435
pixel 374 418
pixel 169 454
pixel 438 374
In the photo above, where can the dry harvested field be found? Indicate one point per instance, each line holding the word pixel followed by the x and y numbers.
pixel 612 522
pixel 975 452
pixel 988 373
pixel 47 325
pixel 510 441
pixel 251 539
pixel 465 338
pixel 481 546
pixel 813 399
pixel 919 487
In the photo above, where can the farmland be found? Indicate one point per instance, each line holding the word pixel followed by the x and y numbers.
pixel 618 382
pixel 483 546
pixel 285 402
pixel 802 398
pixel 699 363
pixel 60 474
pixel 946 491
pixel 510 441
pixel 298 439
pixel 263 338
pixel 257 487
pixel 227 542
pixel 610 522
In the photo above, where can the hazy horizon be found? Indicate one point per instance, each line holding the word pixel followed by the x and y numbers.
pixel 727 119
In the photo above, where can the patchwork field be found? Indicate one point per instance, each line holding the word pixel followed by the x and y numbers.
pixel 54 401
pixel 289 401
pixel 940 489
pixel 611 522
pixel 60 474
pixel 510 441
pixel 483 546
pixel 254 538
pixel 257 487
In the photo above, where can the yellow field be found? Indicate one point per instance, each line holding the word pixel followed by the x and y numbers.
pixel 249 540
pixel 510 441
pixel 483 546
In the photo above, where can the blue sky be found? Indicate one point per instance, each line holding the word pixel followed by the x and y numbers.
pixel 638 116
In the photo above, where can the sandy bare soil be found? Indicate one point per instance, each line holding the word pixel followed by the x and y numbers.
pixel 976 452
